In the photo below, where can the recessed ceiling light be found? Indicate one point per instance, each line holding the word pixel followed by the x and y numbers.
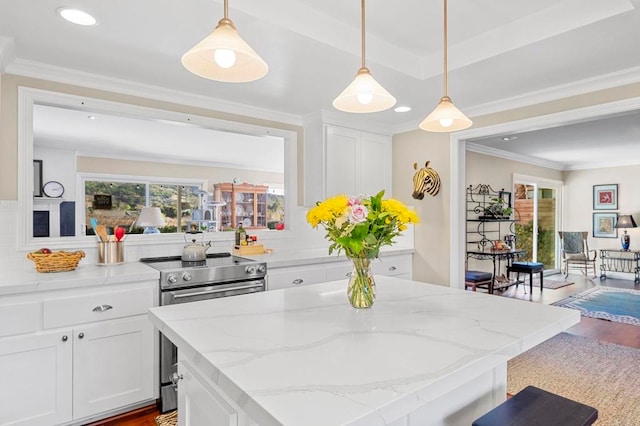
pixel 91 117
pixel 402 109
pixel 509 138
pixel 76 16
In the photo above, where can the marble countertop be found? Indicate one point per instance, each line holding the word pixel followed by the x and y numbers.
pixel 287 258
pixel 304 356
pixel 26 279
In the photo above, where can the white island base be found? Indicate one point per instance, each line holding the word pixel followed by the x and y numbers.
pixel 422 355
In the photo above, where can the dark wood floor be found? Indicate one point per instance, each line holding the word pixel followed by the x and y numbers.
pixel 622 334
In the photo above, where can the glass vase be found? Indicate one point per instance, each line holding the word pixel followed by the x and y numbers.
pixel 362 287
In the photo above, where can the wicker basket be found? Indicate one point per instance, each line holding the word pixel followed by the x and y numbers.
pixel 58 261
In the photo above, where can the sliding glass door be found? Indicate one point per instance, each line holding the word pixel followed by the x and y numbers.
pixel 537 204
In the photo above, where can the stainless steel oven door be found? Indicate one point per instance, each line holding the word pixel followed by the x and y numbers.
pixel 168 351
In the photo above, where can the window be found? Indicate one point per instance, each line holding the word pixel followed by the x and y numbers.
pixel 117 202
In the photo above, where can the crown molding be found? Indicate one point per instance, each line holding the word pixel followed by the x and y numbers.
pixel 588 85
pixel 7 52
pixel 40 70
pixel 582 87
pixel 481 149
pixel 352 121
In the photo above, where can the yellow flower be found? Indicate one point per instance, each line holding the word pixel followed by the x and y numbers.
pixel 328 210
pixel 361 225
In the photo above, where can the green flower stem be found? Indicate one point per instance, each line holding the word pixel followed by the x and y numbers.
pixel 362 287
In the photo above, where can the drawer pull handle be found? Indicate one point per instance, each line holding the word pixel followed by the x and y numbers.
pixel 392 268
pixel 102 308
pixel 81 336
pixel 298 281
pixel 65 338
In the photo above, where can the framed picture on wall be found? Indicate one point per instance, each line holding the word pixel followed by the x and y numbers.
pixel 605 197
pixel 604 225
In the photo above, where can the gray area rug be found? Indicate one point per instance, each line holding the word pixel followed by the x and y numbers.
pixel 554 284
pixel 599 374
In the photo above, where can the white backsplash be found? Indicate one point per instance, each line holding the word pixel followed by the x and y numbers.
pixel 302 237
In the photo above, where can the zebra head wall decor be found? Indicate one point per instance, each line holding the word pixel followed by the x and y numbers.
pixel 425 180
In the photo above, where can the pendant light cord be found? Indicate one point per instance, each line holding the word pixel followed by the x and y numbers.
pixel 446 82
pixel 226 9
pixel 363 32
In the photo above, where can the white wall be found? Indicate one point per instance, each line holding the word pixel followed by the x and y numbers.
pixel 578 204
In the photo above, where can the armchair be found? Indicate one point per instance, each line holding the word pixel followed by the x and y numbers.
pixel 576 253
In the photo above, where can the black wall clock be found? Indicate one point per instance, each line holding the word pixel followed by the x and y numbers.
pixel 53 189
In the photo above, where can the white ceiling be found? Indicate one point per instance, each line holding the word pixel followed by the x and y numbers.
pixel 499 50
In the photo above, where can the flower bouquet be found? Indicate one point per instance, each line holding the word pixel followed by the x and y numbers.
pixel 359 226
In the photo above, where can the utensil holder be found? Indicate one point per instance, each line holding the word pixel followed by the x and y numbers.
pixel 110 252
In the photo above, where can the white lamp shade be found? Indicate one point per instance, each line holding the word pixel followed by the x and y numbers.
pixel 150 216
pixel 445 118
pixel 364 95
pixel 201 58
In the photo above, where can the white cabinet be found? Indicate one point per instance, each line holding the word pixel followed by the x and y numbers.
pixel 357 162
pixel 83 352
pixel 295 276
pixel 396 265
pixel 199 403
pixel 36 375
pixel 399 266
pixel 112 365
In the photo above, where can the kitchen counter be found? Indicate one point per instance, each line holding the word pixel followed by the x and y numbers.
pixel 27 280
pixel 424 354
pixel 287 258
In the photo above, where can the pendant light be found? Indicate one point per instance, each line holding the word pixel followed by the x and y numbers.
pixel 224 56
pixel 446 117
pixel 364 94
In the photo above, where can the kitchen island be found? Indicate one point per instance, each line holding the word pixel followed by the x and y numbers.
pixel 423 354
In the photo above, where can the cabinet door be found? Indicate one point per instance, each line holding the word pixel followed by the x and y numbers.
pixel 36 376
pixel 199 404
pixel 374 164
pixel 340 170
pixel 113 365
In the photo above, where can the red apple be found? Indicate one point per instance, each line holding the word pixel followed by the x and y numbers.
pixel 45 250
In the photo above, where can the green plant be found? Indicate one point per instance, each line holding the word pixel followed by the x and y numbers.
pixel 497 208
pixel 546 244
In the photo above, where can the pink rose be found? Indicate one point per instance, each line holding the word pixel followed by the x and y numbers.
pixel 354 201
pixel 358 214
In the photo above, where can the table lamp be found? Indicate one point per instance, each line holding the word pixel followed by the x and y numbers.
pixel 626 221
pixel 150 218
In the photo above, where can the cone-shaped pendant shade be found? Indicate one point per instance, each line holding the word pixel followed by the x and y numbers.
pixel 445 118
pixel 225 56
pixel 364 94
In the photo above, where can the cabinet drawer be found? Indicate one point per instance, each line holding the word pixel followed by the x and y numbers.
pixel 96 307
pixel 291 277
pixel 339 271
pixel 19 318
pixel 392 265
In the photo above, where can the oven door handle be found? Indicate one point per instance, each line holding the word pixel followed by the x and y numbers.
pixel 219 290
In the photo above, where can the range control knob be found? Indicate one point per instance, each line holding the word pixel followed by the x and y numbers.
pixel 261 269
pixel 186 276
pixel 172 279
pixel 250 269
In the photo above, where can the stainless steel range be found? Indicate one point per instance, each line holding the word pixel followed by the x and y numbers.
pixel 220 275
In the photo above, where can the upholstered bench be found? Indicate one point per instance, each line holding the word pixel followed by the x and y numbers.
pixel 536 407
pixel 526 268
pixel 476 279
